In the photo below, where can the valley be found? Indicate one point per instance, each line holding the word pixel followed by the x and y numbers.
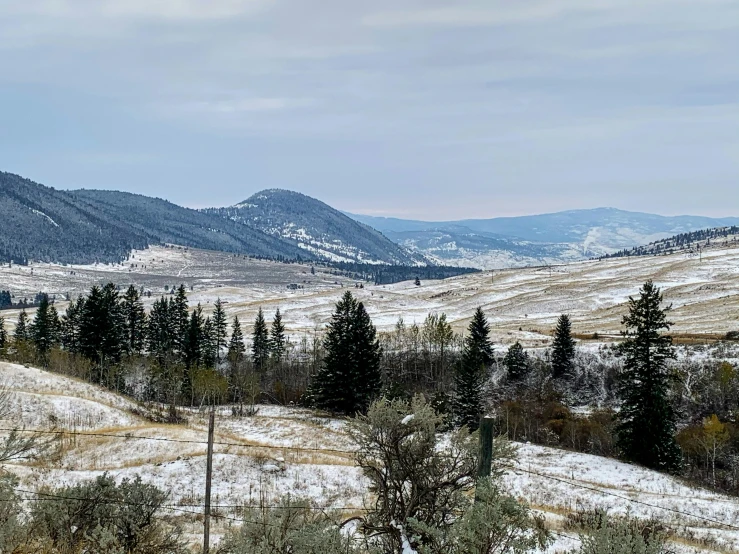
pixel 521 304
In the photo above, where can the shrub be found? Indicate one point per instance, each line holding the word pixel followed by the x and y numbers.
pixel 294 526
pixel 602 534
pixel 104 517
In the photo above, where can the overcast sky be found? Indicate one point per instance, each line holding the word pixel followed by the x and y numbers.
pixel 410 108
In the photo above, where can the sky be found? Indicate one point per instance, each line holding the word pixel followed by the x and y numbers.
pixel 418 109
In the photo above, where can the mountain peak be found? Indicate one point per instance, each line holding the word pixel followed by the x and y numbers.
pixel 317 227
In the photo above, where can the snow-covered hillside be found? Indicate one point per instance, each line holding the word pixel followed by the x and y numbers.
pixel 290 450
pixel 521 304
pixel 317 228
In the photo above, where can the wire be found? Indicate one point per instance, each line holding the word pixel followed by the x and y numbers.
pixel 607 493
pixel 182 441
pixel 181 508
pixel 349 453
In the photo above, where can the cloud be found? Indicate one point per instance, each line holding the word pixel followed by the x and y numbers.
pixel 159 9
pixel 493 99
pixel 242 105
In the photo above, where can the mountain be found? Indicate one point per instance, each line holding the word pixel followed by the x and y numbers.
pixel 317 228
pixel 536 239
pixel 85 226
pixel 164 222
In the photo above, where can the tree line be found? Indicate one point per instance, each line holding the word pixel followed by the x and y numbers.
pixel 640 407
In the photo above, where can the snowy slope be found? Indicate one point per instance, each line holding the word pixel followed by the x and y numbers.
pixel 317 228
pixel 257 458
pixel 521 304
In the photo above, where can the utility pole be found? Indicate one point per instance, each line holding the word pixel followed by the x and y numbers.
pixel 208 475
pixel 485 463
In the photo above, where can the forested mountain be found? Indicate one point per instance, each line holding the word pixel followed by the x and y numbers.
pixel 85 226
pixel 684 242
pixel 164 222
pixel 317 228
pixel 41 223
pixel 546 238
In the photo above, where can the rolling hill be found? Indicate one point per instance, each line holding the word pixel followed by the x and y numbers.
pixel 41 223
pixel 317 228
pixel 85 226
pixel 691 242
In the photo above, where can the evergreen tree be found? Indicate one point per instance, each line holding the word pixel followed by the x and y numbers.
pixel 194 338
pixel 350 376
pixel 44 330
pixel 646 420
pixel 209 356
pixel 70 325
pixel 3 333
pixel 220 328
pixel 563 349
pixel 477 355
pixel 516 362
pixel 161 335
pixel 180 316
pixel 277 341
pixel 193 353
pixel 260 342
pixel 236 348
pixel 102 329
pixel 135 318
pixel 21 328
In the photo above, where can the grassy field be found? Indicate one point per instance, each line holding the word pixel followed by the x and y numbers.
pixel 521 304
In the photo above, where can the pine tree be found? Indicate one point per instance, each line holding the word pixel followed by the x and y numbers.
pixel 220 328
pixel 21 328
pixel 44 330
pixel 194 339
pixel 260 342
pixel 236 348
pixel 102 329
pixel 646 420
pixel 3 333
pixel 477 356
pixel 209 344
pixel 366 356
pixel 350 376
pixel 193 353
pixel 277 341
pixel 516 362
pixel 70 325
pixel 161 336
pixel 135 318
pixel 563 349
pixel 180 316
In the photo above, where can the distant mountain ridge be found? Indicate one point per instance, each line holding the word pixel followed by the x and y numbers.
pixel 85 226
pixel 536 239
pixel 317 228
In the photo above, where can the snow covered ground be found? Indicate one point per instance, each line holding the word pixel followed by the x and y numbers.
pixel 522 304
pixel 291 450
